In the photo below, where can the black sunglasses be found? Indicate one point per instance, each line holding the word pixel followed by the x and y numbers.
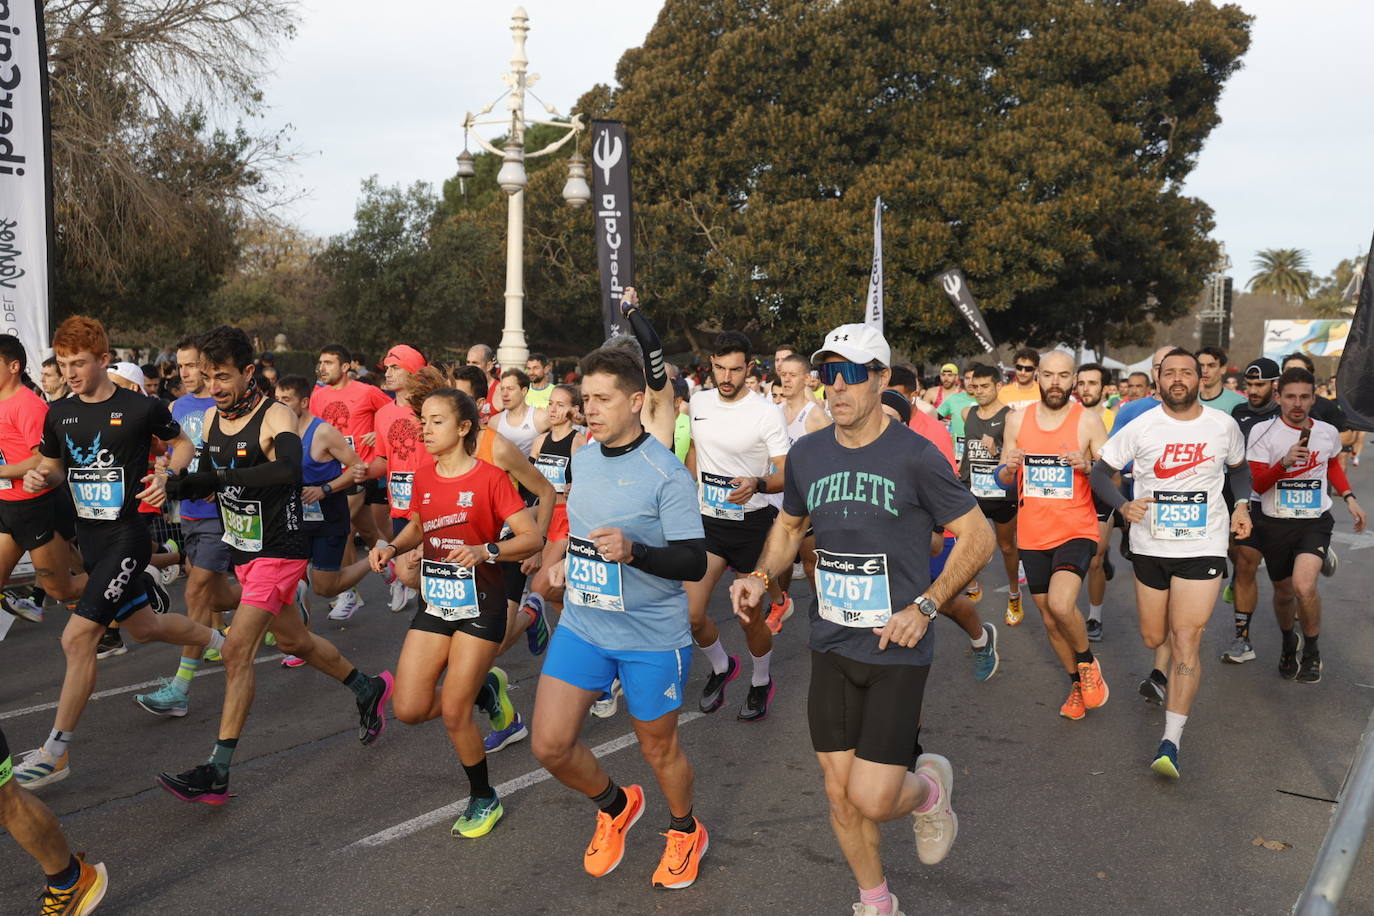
pixel 1020 368
pixel 852 373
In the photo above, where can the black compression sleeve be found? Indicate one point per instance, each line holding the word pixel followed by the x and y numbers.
pixel 644 332
pixel 681 560
pixel 1103 486
pixel 1238 476
pixel 284 471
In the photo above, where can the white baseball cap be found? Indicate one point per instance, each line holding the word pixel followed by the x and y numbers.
pixel 858 343
pixel 129 372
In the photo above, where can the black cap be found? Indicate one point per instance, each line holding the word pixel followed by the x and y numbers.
pixel 898 402
pixel 1263 369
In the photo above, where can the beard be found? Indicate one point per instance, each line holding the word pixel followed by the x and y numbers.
pixel 1054 398
pixel 1090 401
pixel 1178 402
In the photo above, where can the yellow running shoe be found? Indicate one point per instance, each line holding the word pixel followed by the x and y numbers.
pixel 974 592
pixel 1014 611
pixel 83 896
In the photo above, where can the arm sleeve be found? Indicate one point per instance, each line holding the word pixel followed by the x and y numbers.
pixel 160 421
pixel 644 332
pixel 1336 475
pixel 1104 488
pixel 1238 476
pixel 681 560
pixel 285 471
pixel 1264 476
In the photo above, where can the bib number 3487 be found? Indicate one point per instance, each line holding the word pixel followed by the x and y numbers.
pixel 852 590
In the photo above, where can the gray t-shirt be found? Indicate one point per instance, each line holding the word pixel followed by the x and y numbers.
pixel 873 510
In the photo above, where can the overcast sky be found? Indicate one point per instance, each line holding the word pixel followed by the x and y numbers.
pixel 384 91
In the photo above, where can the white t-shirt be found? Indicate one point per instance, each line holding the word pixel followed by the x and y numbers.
pixel 1182 464
pixel 734 439
pixel 1300 491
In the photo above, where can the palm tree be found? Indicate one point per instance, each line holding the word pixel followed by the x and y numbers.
pixel 1282 272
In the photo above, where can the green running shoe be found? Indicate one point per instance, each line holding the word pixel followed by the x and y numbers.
pixel 1228 594
pixel 495 701
pixel 480 817
pixel 167 700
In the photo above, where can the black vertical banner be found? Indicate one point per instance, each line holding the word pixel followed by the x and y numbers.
pixel 1355 375
pixel 615 227
pixel 956 287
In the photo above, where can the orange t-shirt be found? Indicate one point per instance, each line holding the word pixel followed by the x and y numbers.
pixel 1056 501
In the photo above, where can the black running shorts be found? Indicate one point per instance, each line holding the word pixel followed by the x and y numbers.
pixel 1282 539
pixel 33 522
pixel 115 555
pixel 489 624
pixel 6 765
pixel 998 511
pixel 1071 556
pixel 873 710
pixel 739 543
pixel 374 492
pixel 1155 572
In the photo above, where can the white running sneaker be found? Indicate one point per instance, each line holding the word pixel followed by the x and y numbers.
pixel 400 596
pixel 169 575
pixel 26 608
pixel 606 707
pixel 936 828
pixel 345 605
pixel 868 909
pixel 38 768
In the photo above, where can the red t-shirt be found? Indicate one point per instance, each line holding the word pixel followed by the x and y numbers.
pixel 469 509
pixel 398 441
pixel 351 410
pixel 935 432
pixel 21 427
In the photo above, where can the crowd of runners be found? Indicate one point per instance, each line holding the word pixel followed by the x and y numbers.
pixel 596 519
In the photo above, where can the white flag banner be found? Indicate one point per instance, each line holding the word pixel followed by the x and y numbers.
pixel 873 313
pixel 25 179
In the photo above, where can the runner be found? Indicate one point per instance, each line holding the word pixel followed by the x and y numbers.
pixel 1328 411
pixel 803 415
pixel 518 421
pixel 1213 391
pixel 41 524
pixel 209 593
pixel 538 368
pixel 98 442
pixel 626 618
pixel 1243 591
pixel 1023 389
pixel 399 452
pixel 252 462
pixel 51 381
pixel 869 488
pixel 1184 454
pixel 1048 449
pixel 351 407
pixel 659 416
pixel 73 888
pixel 1293 457
pixel 951 409
pixel 462 504
pixel 949 385
pixel 739 453
pixel 984 427
pixel 1089 392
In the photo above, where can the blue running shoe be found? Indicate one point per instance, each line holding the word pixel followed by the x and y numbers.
pixel 1166 761
pixel 512 733
pixel 986 659
pixel 167 700
pixel 495 701
pixel 481 815
pixel 538 633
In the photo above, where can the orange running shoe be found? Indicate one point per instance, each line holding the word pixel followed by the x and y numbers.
pixel 974 592
pixel 83 896
pixel 607 847
pixel 1073 707
pixel 1095 690
pixel 682 857
pixel 778 614
pixel 1014 611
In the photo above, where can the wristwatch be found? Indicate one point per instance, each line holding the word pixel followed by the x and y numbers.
pixel 327 488
pixel 926 606
pixel 493 552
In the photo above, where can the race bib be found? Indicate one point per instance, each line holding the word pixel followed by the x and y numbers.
pixel 555 471
pixel 1298 498
pixel 1179 516
pixel 399 484
pixel 242 523
pixel 851 588
pixel 349 440
pixel 1046 477
pixel 715 490
pixel 97 492
pixel 311 512
pixel 449 590
pixel 5 483
pixel 982 480
pixel 592 581
pixel 959 448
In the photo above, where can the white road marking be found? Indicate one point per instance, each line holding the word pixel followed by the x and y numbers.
pixel 116 691
pixel 532 778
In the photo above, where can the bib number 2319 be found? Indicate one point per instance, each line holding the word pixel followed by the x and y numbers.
pixel 592 581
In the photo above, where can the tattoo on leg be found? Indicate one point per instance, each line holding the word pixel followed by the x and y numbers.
pixel 41 571
pixel 1182 670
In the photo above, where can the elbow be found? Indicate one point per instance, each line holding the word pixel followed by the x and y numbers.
pixel 697 565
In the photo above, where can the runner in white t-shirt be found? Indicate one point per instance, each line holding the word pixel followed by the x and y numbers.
pixel 739 451
pixel 1184 454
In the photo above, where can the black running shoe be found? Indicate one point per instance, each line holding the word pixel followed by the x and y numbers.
pixel 1310 670
pixel 1153 691
pixel 372 714
pixel 713 694
pixel 111 643
pixel 1108 569
pixel 158 599
pixel 198 784
pixel 1288 660
pixel 1094 631
pixel 756 703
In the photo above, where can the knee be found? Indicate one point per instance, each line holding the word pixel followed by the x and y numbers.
pixel 552 751
pixel 77 643
pixel 659 751
pixel 871 804
pixel 458 716
pixel 237 654
pixel 1151 639
pixel 1187 643
pixel 409 707
pixel 842 810
pixel 298 643
pixel 140 630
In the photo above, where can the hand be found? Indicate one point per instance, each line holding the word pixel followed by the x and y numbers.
pixel 359 473
pixel 467 555
pixel 990 444
pixel 905 628
pixel 35 481
pixel 1013 458
pixel 612 544
pixel 154 493
pixel 186 485
pixel 377 557
pixel 1356 513
pixel 1135 510
pixel 744 490
pixel 746 594
pixel 408 568
pixel 1076 460
pixel 311 495
pixel 629 300
pixel 1297 456
pixel 530 565
pixel 557 574
pixel 370 439
pixel 1240 520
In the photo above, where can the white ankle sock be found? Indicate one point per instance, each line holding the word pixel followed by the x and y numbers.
pixel 1095 612
pixel 761 674
pixel 57 743
pixel 982 639
pixel 1173 727
pixel 715 654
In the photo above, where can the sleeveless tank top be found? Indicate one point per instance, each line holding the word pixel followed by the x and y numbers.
pixel 555 461
pixel 981 460
pixel 258 521
pixel 522 436
pixel 1056 501
pixel 797 428
pixel 329 516
pixel 315 472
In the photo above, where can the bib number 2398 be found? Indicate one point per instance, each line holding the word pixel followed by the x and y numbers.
pixel 449 590
pixel 851 589
pixel 592 581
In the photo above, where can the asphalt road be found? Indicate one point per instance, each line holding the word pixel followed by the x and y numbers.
pixel 1055 816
